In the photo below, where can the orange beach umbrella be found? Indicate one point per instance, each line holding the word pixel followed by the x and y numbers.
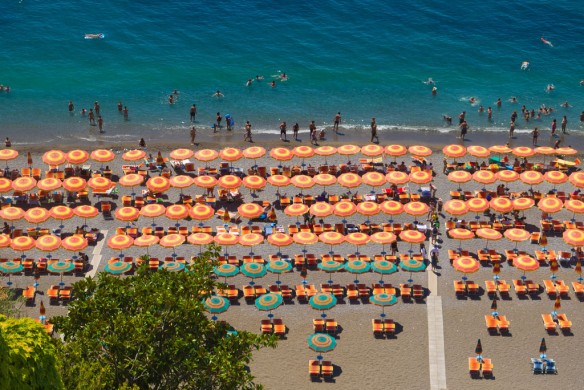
pixel 158 184
pixel 37 215
pixel 418 150
pixel 77 156
pixel 345 209
pixel 99 183
pixel 54 157
pixel 531 177
pixel 372 150
pixel 395 150
pixel 102 155
pixel 321 209
pixel 205 181
pixel 23 183
pixel 507 175
pixel 201 212
pixel 296 209
pixel 456 207
pixel 49 184
pixel 206 155
pixel 416 208
pixel 501 205
pixel 229 182
pixel 478 151
pixel 397 177
pixel 250 210
pixel 550 205
pixel 231 154
pixel 347 150
pixel 349 180
pixel 254 152
pixel 177 212
pixel 74 184
pixel 281 154
pixel 454 151
pixel 181 154
pixel 48 243
pixel 477 205
pixel 254 182
pixel 133 155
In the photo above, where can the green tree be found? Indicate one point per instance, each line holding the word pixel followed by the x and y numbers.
pixel 10 303
pixel 27 356
pixel 150 331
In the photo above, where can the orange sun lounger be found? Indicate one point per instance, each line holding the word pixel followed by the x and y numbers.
pixel 565 324
pixel 548 322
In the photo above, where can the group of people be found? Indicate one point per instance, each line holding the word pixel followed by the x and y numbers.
pixel 4 88
pixel 96 110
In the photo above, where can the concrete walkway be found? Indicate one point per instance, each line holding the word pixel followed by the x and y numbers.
pixel 435 335
pixel 96 258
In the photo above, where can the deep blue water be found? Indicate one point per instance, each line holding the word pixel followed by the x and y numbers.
pixel 363 58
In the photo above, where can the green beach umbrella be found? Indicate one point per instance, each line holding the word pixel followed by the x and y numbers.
pixel 321 342
pixel 383 267
pixel 216 304
pixel 330 266
pixel 323 301
pixel 61 267
pixel 253 270
pixel 279 267
pixel 268 302
pixel 118 267
pixel 226 270
pixel 172 266
pixel 357 267
pixel 383 300
pixel 412 265
pixel 10 267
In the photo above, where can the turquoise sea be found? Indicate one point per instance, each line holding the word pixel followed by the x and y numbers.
pixel 363 58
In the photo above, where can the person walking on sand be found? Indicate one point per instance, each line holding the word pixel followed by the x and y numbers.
pixel 535 134
pixel 193 135
pixel 100 124
pixel 434 254
pixel 247 136
pixel 564 124
pixel 283 131
pixel 374 130
pixel 193 112
pixel 336 122
pixel 295 129
pixel 511 129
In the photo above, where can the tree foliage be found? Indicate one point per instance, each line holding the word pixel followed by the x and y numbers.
pixel 27 356
pixel 150 331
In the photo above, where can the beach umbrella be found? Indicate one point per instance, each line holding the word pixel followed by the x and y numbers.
pixel 281 154
pixel 575 206
pixel 305 238
pixel 99 183
pixel 383 267
pixel 23 183
pixel 383 238
pixel 357 239
pixel 395 150
pixel 531 177
pixel 177 212
pixel 61 267
pixel 226 239
pixel 254 152
pixel 550 205
pixel 251 239
pixel 325 151
pixel 303 152
pixel 479 350
pixel 501 205
pixel 466 265
pixel 54 157
pixel 478 151
pixel 172 241
pixel 269 302
pixel 5 185
pixel 374 179
pixel 172 266
pixel 348 150
pixel 253 271
pixel 345 209
pixel 545 151
pixel 421 177
pixel 321 342
pixel 391 207
pixel 127 214
pixel 412 236
pixel 279 267
pixel 29 159
pixel 517 235
pixel 48 243
pixel 397 177
pixel 206 155
pixel 421 151
pixel 205 181
pixel 383 300
pixel 577 179
pixel 153 210
pixel 523 151
pixel 349 180
pixel 553 268
pixel 525 263
pixel 102 155
pixel 118 267
pixel 459 176
pixel 456 207
pixel 254 182
pixel 133 155
pixel 158 184
pixel 37 215
pixel 357 267
pixel 280 240
pixel 22 244
pixel 229 182
pixel 200 239
pixel 4 240
pixel 507 175
pixel 61 213
pixel 226 270
pixel 181 154
pixel 477 205
pixel 74 243
pixel 74 184
pixel 296 209
pixel 368 208
pixel 542 348
pixel 279 180
pixel 566 151
pixel 330 266
pixel 120 241
pixel 12 213
pixel 324 179
pixel 131 180
pixel 494 306
pixel 302 181
pixel 416 208
pixel 321 209
pixel 496 270
pixel 555 177
pixel 181 181
pixel 523 203
pixel 11 267
pixel 49 184
pixel 76 157
pixel 231 154
pixel 557 306
pixel 488 234
pixel 322 302
pixel 372 150
pixel 8 154
pixel 146 240
pixel 573 237
pixel 461 234
pixel 332 238
pixel 578 269
pixel 484 177
pixel 411 266
pixel 216 304
pixel 250 210
pixel 454 151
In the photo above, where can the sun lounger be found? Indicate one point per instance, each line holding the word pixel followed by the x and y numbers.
pixel 377 327
pixel 331 326
pixel 29 294
pixel 327 368
pixel 550 366
pixel 405 291
pixel 503 324
pixel 520 288
pixel 578 288
pixel 472 287
pixel 487 367
pixel 491 287
pixel 491 323
pixel 352 292
pixel 418 292
pixel 537 366
pixel 318 325
pixel 314 368
pixel 548 322
pixel 53 293
pixel 279 327
pixel 565 324
pixel 388 327
pixel 65 293
pixel 266 327
pixel 562 288
pixel 550 288
pixel 474 366
pixel 532 288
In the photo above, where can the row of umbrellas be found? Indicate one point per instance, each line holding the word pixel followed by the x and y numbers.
pixel 505 205
pixel 573 237
pixel 527 177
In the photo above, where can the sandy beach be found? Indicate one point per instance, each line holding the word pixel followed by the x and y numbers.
pixel 360 359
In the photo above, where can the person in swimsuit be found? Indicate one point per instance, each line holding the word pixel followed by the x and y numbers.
pixel 336 122
pixel 283 131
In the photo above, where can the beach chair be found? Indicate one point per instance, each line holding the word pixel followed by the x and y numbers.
pixel 474 367
pixel 352 292
pixel 405 291
pixel 565 324
pixel 548 322
pixel 65 293
pixel 327 369
pixel 471 287
pixel 532 288
pixel 314 368
pixel 331 326
pixel 550 288
pixel 388 327
pixel 562 288
pixel 487 368
pixel 550 366
pixel 578 288
pixel 318 325
pixel 279 327
pixel 537 366
pixel 377 327
pixel 266 327
pixel 418 292
pixel 520 288
pixel 503 324
pixel 491 287
pixel 28 294
pixel 491 323
pixel 53 293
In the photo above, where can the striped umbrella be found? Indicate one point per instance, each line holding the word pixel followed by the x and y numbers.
pixel 332 238
pixel 321 209
pixel 550 205
pixel 158 184
pixel 395 150
pixel 372 150
pixel 577 179
pixel 507 175
pixel 357 239
pixel 279 267
pixel 456 207
pixel 349 180
pixel 254 152
pixel 416 208
pixel 250 210
pixel 127 214
pixel 296 209
pixel 573 237
pixel 357 267
pixel 523 203
pixel 200 239
pixel 11 267
pixel 54 157
pixel 575 206
pixel 74 243
pixel 4 240
pixel 216 304
pixel 330 266
pixel 454 151
pixel 345 209
pixel 12 213
pixel 253 271
pixel 118 267
pixel 531 177
pixel 280 239
pixel 397 177
pixel 322 302
pixel 201 212
pixel 383 267
pixel 5 185
pixel 484 177
pixel 412 236
pixel 466 265
pixel 478 151
pixel 172 241
pixel 383 238
pixel 251 239
pixel 77 156
pixel 8 154
pixel 49 184
pixel 172 266
pixel 177 212
pixel 146 240
pixel 325 151
pixel 23 183
pixel 181 154
pixel 205 181
pixel 254 182
pixel 525 263
pixel 517 235
pixel 421 151
pixel 302 181
pixel 279 180
pixel 501 205
pixel 152 210
pixel 477 205
pixel 321 342
pixel 102 155
pixel 74 184
pixel 181 181
pixel 231 154
pixel 368 208
pixel 48 243
pixel 120 241
pixel 269 302
pixel 281 154
pixel 555 177
pixel 348 150
pixel 226 270
pixel 61 267
pixel 523 151
pixel 325 179
pixel 229 182
pixel 391 207
pixel 303 152
pixel 99 184
pixel 374 179
pixel 412 265
pixel 459 176
pixel 133 155
pixel 206 155
pixel 461 234
pixel 383 300
pixel 37 215
pixel 566 151
pixel 488 234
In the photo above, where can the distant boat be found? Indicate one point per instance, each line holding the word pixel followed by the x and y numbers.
pixel 95 36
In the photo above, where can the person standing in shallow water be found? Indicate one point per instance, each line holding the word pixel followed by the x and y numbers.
pixel 463 129
pixel 100 124
pixel 336 122
pixel 193 112
pixel 564 124
pixel 374 130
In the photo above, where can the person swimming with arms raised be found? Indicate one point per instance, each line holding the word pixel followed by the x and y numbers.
pixel 429 81
pixel 524 65
pixel 218 94
pixel 546 41
pixel 550 87
pixel 248 83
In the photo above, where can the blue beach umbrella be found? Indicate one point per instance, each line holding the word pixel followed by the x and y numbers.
pixel 269 302
pixel 330 266
pixel 118 267
pixel 322 301
pixel 216 304
pixel 383 300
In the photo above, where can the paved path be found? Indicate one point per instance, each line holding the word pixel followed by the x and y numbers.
pixel 96 258
pixel 435 335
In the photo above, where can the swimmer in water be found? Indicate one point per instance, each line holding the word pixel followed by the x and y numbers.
pixel 546 41
pixel 513 99
pixel 273 83
pixel 218 94
pixel 248 83
pixel 434 90
pixel 429 81
pixel 283 77
pixel 550 87
pixel 472 100
pixel 566 104
pixel 524 65
pixel 447 119
pixel 259 78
